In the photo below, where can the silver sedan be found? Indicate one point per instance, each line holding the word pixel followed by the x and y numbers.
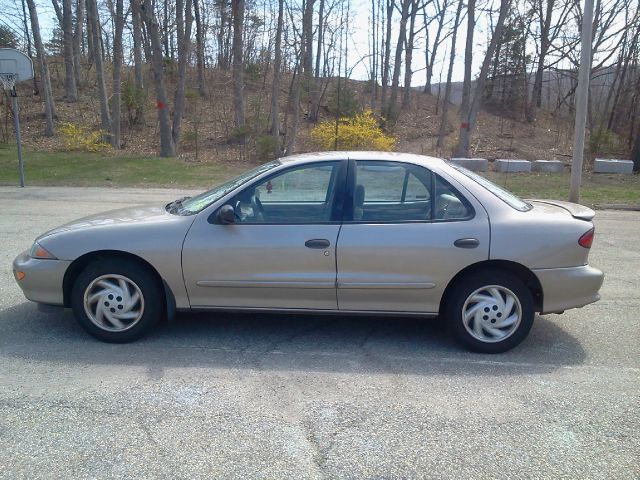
pixel 342 232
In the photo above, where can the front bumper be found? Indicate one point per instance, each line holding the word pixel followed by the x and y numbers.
pixel 42 280
pixel 565 288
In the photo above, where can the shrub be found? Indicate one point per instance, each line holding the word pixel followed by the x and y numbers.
pixel 266 146
pixel 80 138
pixel 361 132
pixel 347 105
pixel 133 99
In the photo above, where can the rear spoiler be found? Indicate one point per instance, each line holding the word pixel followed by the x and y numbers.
pixel 576 210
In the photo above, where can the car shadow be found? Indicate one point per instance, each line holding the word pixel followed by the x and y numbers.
pixel 360 344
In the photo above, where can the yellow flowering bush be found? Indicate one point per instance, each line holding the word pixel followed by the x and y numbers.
pixel 360 132
pixel 80 138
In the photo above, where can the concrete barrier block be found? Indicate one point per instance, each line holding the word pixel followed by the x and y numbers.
pixel 551 166
pixel 512 165
pixel 473 164
pixel 610 165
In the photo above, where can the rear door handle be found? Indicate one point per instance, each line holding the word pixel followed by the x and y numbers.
pixel 317 243
pixel 467 243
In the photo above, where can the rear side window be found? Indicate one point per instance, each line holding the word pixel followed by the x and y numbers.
pixel 401 192
pixel 504 195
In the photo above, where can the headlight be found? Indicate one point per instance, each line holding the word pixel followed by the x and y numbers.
pixel 37 251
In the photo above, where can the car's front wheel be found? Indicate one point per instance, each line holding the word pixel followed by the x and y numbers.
pixel 117 300
pixel 490 312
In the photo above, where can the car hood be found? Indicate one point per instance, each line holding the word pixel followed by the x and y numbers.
pixel 139 215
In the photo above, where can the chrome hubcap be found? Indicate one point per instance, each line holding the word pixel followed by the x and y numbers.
pixel 492 313
pixel 113 303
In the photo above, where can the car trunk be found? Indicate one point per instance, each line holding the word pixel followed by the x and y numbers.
pixel 575 210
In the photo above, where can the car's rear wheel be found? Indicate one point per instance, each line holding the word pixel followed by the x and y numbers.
pixel 490 312
pixel 117 300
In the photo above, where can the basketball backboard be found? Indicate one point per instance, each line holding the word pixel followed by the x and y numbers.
pixel 15 62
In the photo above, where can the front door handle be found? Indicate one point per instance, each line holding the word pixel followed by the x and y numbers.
pixel 317 243
pixel 467 243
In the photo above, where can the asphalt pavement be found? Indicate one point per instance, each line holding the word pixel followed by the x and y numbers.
pixel 291 396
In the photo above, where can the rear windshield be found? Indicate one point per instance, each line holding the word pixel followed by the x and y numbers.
pixel 504 195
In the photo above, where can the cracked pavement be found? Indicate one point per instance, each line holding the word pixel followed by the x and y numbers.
pixel 291 396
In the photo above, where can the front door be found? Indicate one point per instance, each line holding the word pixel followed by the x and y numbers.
pixel 396 252
pixel 280 252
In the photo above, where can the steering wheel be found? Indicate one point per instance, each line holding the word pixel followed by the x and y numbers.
pixel 257 205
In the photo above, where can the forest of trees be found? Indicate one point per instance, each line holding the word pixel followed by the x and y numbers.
pixel 303 51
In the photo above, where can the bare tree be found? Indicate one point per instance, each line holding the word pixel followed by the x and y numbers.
pixel 184 23
pixel 468 115
pixel 167 147
pixel 277 75
pixel 391 112
pixel 77 42
pixel 199 47
pixel 447 90
pixel 431 50
pixel 238 65
pixel 94 20
pixel 406 93
pixel 49 108
pixel 117 73
pixel 70 91
pixel 390 4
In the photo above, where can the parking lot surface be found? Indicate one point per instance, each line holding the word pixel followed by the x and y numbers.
pixel 274 396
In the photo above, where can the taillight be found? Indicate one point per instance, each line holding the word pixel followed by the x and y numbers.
pixel 587 239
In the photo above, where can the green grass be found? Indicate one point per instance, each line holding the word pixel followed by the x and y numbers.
pixel 596 189
pixel 88 169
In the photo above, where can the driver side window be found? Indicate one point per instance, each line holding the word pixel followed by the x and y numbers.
pixel 297 195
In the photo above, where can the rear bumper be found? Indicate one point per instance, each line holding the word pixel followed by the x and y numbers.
pixel 565 288
pixel 42 280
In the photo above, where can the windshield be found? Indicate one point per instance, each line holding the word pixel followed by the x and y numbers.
pixel 504 195
pixel 193 205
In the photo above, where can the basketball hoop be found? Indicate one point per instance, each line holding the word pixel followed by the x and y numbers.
pixel 8 82
pixel 15 67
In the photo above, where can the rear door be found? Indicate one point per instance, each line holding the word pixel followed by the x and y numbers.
pixel 397 246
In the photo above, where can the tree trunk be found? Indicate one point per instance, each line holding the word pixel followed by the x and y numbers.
pixel 275 86
pixel 137 44
pixel 397 64
pixel 184 39
pixel 117 72
pixel 70 91
pixel 167 148
pixel 77 43
pixel 447 90
pixel 315 93
pixel 469 120
pixel 406 94
pixel 137 56
pixel 238 62
pixel 49 108
pixel 387 55
pixel 90 48
pixel 94 20
pixel 468 60
pixel 307 64
pixel 199 48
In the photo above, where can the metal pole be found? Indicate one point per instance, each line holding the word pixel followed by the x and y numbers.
pixel 16 124
pixel 582 97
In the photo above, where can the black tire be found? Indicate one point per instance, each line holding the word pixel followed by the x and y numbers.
pixel 513 334
pixel 150 290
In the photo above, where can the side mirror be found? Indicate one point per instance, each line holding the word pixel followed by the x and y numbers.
pixel 226 215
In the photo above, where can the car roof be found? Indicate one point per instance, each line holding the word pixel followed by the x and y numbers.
pixel 358 155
